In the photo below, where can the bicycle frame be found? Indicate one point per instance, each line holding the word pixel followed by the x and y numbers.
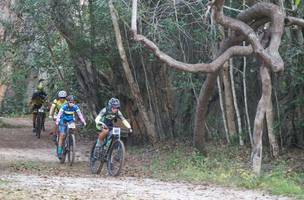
pixel 69 141
pixel 113 135
pixel 111 144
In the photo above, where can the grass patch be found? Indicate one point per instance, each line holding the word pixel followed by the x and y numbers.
pixel 227 166
pixel 26 166
pixel 3 182
pixel 6 125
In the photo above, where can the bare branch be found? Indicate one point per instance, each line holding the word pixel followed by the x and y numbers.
pixel 200 67
pixel 294 21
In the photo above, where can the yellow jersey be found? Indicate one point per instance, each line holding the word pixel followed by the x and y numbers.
pixel 58 104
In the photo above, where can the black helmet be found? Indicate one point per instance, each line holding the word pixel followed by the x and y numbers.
pixel 114 103
pixel 70 99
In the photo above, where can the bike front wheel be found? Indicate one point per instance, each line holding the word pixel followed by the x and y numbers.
pixel 96 161
pixel 116 158
pixel 71 149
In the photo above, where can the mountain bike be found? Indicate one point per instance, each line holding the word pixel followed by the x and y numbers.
pixel 40 118
pixel 112 152
pixel 69 145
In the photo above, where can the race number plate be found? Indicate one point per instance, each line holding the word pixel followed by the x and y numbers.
pixel 116 131
pixel 40 110
pixel 72 125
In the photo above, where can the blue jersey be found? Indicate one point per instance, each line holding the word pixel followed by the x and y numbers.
pixel 68 113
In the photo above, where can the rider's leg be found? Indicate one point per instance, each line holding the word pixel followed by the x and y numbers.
pixel 102 135
pixel 34 120
pixel 54 132
pixel 61 139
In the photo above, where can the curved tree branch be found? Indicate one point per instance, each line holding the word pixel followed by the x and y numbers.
pixel 294 21
pixel 200 67
pixel 276 16
pixel 271 57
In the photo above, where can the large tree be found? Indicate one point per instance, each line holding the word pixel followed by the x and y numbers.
pixel 244 28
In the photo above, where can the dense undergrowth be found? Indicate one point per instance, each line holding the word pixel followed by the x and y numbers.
pixel 228 166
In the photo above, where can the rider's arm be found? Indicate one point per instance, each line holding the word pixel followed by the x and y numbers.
pixel 51 114
pixel 99 116
pixel 124 121
pixel 59 115
pixel 80 115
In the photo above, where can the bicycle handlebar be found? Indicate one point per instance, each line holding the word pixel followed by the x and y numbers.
pixel 103 125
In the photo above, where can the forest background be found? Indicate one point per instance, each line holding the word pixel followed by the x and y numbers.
pixel 71 45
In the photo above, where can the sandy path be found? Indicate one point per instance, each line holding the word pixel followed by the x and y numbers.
pixel 20 144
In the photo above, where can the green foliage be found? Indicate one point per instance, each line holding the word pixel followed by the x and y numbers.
pixel 25 165
pixel 17 102
pixel 226 166
pixel 4 182
pixel 290 87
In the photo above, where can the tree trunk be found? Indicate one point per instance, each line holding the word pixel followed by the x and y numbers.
pixel 219 86
pixel 199 136
pixel 151 130
pixel 2 93
pixel 245 100
pixel 274 147
pixel 235 103
pixel 7 15
pixel 162 109
pixel 92 31
pixel 263 105
pixel 230 112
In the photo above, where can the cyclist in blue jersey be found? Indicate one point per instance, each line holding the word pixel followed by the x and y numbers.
pixel 66 116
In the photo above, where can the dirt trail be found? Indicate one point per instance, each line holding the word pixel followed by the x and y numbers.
pixel 30 170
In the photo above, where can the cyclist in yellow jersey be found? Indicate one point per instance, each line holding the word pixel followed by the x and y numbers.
pixel 56 105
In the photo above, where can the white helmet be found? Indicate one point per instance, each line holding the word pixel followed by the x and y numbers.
pixel 62 94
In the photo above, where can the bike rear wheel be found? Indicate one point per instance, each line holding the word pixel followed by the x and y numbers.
pixel 116 158
pixel 96 161
pixel 39 121
pixel 71 149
